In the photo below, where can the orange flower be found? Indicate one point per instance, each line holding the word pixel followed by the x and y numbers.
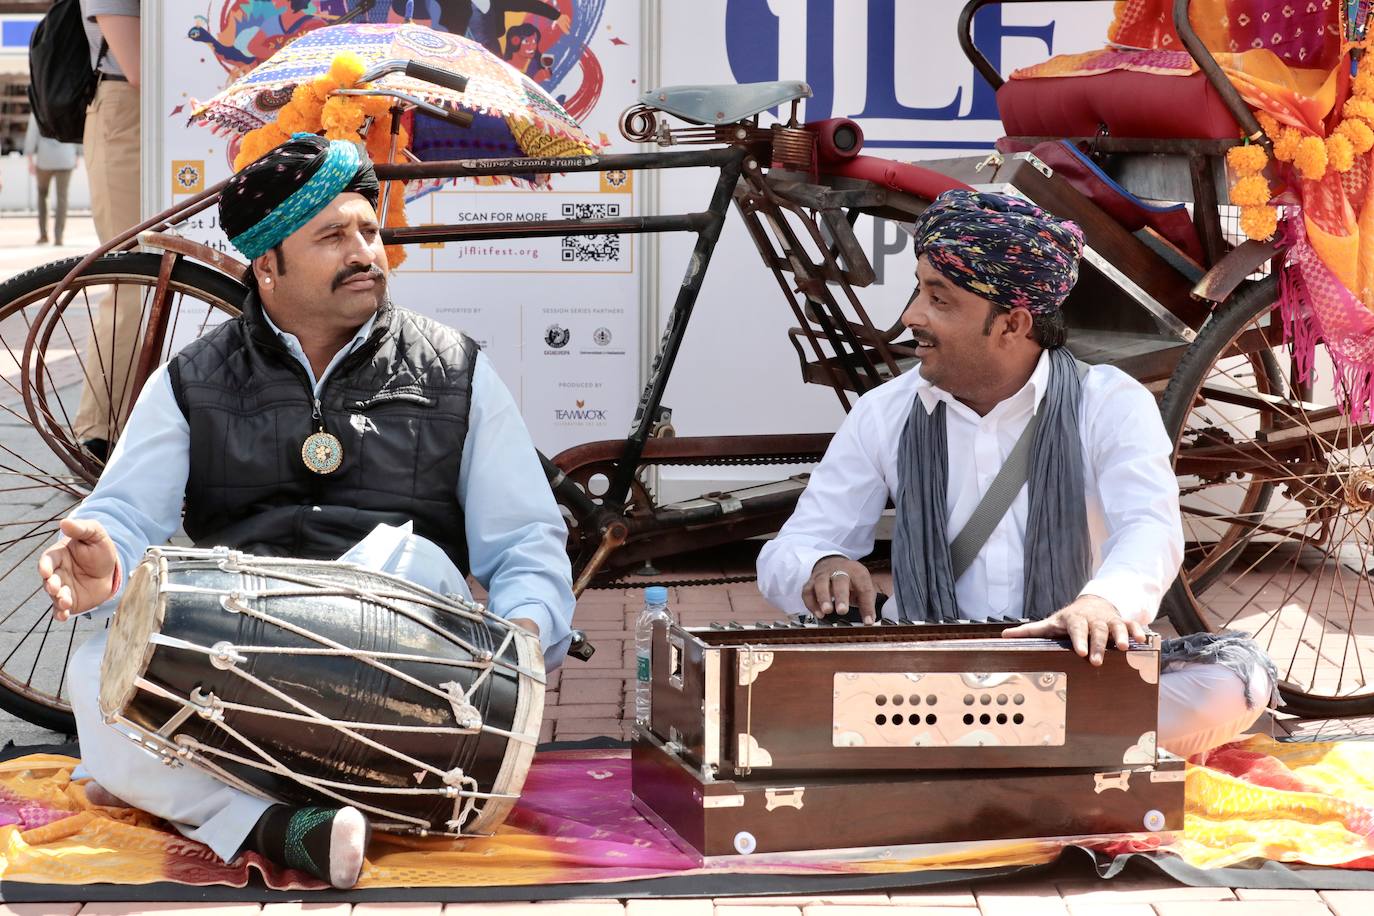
pixel 1259 223
pixel 1250 191
pixel 374 106
pixel 1363 83
pixel 1357 107
pixel 1247 160
pixel 1340 153
pixel 1310 158
pixel 1286 144
pixel 1268 123
pixel 396 216
pixel 346 69
pixel 1358 133
pixel 342 118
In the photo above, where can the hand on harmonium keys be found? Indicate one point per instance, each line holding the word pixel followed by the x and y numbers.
pixel 836 583
pixel 1090 623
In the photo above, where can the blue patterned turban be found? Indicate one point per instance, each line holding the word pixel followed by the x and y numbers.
pixel 285 189
pixel 1001 248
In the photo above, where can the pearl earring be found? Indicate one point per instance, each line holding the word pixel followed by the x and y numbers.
pixel 267 281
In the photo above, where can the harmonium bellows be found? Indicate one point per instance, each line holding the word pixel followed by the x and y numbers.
pixel 758 736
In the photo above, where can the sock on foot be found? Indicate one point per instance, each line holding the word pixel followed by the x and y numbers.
pixel 325 842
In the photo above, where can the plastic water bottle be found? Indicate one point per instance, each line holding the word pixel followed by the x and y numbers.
pixel 655 608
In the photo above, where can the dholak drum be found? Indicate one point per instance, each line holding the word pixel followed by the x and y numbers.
pixel 325 683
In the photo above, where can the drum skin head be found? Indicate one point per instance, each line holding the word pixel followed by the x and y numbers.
pixel 529 715
pixel 129 649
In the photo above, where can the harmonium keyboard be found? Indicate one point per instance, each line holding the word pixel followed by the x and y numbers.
pixel 803 737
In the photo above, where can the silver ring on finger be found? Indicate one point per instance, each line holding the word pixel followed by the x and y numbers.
pixel 838 573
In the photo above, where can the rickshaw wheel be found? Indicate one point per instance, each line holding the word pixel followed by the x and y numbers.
pixel 45 476
pixel 1277 488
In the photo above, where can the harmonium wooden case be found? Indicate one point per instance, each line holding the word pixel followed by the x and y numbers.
pixel 802 737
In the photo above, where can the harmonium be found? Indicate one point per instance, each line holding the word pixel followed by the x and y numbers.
pixel 798 737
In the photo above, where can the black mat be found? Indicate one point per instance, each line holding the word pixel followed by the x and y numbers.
pixel 1073 863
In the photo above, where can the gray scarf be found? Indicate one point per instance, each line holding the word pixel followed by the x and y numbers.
pixel 1058 552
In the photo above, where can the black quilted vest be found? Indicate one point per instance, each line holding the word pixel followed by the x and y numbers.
pixel 398 404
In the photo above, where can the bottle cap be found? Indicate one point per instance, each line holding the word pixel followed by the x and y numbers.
pixel 656 594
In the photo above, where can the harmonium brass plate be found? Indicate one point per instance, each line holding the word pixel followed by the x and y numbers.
pixel 949 709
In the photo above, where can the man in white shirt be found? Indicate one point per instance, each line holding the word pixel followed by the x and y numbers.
pixel 1093 538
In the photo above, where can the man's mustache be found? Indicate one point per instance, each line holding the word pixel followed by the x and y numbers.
pixel 374 272
pixel 922 337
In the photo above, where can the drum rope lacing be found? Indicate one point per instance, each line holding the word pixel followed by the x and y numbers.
pixel 457 785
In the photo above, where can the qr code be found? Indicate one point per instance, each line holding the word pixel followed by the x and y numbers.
pixel 590 211
pixel 592 249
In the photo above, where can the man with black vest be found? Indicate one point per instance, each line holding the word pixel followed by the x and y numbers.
pixel 322 423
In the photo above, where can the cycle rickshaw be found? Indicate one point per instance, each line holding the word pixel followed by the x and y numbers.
pixel 1276 477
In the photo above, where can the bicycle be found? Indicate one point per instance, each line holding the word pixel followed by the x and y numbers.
pixel 1275 480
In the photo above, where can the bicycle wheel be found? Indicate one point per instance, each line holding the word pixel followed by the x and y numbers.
pixel 1276 486
pixel 43 477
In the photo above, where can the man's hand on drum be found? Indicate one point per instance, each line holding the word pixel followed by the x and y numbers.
pixel 78 571
pixel 1092 625
pixel 835 584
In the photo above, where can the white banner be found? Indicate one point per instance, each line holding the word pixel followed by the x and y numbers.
pixel 895 67
pixel 559 317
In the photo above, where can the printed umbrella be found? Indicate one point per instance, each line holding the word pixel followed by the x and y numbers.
pixel 512 115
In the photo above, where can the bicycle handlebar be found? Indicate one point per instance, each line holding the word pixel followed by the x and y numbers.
pixel 437 76
pixel 420 71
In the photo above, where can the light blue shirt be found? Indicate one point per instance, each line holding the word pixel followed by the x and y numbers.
pixel 515 534
pixel 48 154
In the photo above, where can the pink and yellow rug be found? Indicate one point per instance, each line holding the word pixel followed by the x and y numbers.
pixel 1257 799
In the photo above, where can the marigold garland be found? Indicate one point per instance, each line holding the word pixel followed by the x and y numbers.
pixel 1311 156
pixel 1251 189
pixel 314 110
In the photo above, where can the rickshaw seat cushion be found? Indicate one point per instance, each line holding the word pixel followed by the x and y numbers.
pixel 897 176
pixel 1126 103
pixel 725 103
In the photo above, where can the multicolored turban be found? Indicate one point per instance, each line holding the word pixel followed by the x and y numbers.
pixel 285 189
pixel 1001 248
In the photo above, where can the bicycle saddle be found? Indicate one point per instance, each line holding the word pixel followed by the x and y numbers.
pixel 723 104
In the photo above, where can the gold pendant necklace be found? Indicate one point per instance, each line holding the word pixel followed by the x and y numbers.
pixel 322 452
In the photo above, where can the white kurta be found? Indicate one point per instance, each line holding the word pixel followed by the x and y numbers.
pixel 1133 520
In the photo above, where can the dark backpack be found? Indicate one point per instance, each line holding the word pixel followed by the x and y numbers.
pixel 61 79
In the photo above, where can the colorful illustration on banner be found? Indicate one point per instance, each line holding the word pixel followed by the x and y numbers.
pixel 188 176
pixel 543 40
pixel 247 32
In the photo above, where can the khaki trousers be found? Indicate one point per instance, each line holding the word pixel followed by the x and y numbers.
pixel 46 178
pixel 111 147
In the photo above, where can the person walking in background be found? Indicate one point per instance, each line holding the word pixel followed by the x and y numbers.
pixel 112 161
pixel 50 160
